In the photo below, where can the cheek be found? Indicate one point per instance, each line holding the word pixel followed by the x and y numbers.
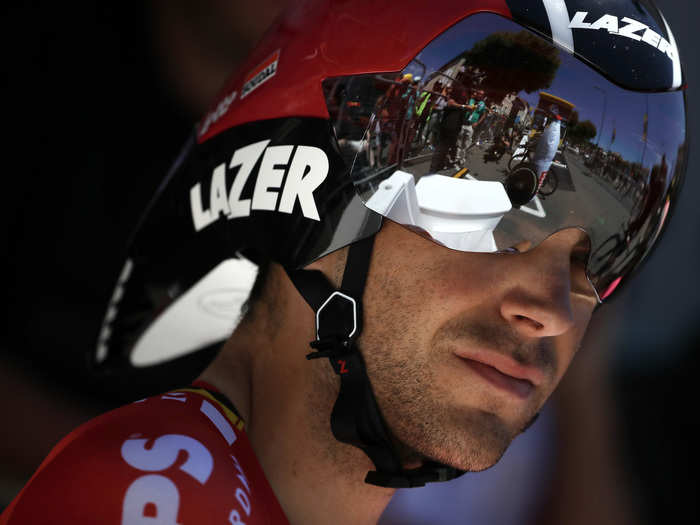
pixel 394 306
pixel 460 279
pixel 402 304
pixel 429 293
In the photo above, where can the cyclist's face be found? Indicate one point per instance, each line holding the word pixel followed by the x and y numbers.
pixel 464 348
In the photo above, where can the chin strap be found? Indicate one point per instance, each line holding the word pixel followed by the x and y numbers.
pixel 356 418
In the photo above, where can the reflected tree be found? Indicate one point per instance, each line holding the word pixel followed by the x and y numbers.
pixel 537 62
pixel 581 132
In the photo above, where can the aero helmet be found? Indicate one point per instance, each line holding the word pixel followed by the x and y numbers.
pixel 338 120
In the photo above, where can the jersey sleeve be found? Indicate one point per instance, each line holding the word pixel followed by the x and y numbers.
pixel 178 458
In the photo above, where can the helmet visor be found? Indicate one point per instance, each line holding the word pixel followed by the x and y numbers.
pixel 493 138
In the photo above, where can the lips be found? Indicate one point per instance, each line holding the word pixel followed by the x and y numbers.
pixel 521 388
pixel 504 372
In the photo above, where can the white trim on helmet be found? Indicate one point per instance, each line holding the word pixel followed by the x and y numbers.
pixel 558 15
pixel 677 75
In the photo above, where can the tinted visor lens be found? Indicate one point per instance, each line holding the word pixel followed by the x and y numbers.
pixel 493 138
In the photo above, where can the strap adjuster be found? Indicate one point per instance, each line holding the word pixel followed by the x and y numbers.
pixel 334 297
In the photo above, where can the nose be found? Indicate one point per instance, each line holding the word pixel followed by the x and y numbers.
pixel 537 301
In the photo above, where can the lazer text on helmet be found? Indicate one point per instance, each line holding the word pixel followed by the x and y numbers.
pixel 626 27
pixel 287 174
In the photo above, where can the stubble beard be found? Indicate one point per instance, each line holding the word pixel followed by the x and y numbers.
pixel 423 420
pixel 426 418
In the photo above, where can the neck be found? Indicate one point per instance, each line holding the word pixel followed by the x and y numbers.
pixel 286 402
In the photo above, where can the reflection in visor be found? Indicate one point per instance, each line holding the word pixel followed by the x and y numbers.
pixel 492 137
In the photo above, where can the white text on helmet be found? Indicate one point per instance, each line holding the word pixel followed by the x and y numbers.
pixel 218 112
pixel 629 28
pixel 286 175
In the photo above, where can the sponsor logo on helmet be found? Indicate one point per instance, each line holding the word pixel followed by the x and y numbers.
pixel 260 74
pixel 218 112
pixel 628 28
pixel 287 175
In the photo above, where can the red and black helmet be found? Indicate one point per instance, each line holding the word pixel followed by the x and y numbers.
pixel 349 112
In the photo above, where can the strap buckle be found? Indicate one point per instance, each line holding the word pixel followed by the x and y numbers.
pixel 329 302
pixel 336 325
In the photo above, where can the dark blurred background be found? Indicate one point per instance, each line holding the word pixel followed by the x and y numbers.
pixel 99 99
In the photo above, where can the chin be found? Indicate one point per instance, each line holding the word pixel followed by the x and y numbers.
pixel 475 457
pixel 475 446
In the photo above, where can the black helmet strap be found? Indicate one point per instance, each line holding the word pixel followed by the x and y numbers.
pixel 356 418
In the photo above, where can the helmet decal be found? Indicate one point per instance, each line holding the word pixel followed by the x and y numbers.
pixel 629 42
pixel 218 112
pixel 260 74
pixel 306 167
pixel 628 28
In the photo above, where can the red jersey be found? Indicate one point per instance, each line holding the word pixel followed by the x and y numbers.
pixel 177 458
